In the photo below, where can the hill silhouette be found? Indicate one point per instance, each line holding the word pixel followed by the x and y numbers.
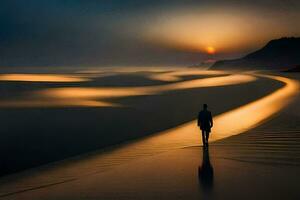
pixel 279 54
pixel 294 69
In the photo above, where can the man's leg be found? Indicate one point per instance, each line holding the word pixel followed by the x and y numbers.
pixel 203 138
pixel 206 136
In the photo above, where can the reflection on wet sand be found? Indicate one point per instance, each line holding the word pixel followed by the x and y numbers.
pixel 235 121
pixel 81 92
pixel 227 124
pixel 42 78
pixel 176 75
pixel 97 97
pixel 247 116
pixel 117 70
pixel 206 172
pixel 208 82
pixel 250 115
pixel 54 103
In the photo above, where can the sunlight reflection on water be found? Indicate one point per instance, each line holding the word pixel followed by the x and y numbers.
pixel 176 75
pixel 97 96
pixel 42 78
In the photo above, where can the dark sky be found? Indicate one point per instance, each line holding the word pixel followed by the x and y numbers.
pixel 138 32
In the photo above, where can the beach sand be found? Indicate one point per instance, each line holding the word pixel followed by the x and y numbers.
pixel 33 136
pixel 261 163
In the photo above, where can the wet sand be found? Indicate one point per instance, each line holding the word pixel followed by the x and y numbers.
pixel 33 136
pixel 261 163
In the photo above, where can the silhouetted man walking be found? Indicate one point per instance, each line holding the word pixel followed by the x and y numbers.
pixel 205 122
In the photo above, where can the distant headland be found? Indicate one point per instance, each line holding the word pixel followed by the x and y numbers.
pixel 278 54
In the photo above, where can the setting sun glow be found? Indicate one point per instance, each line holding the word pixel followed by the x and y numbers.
pixel 210 50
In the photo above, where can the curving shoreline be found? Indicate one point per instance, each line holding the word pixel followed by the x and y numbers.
pixel 48 134
pixel 141 162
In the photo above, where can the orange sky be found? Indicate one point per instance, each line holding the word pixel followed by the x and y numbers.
pixel 216 30
pixel 140 32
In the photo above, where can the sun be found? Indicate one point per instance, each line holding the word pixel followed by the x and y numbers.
pixel 210 50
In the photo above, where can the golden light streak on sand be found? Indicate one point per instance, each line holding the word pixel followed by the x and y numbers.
pixel 132 69
pixel 227 124
pixel 98 97
pixel 55 103
pixel 248 116
pixel 209 82
pixel 177 75
pixel 41 78
pixel 235 121
pixel 101 94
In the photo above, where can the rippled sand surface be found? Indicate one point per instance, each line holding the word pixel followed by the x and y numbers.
pixel 276 142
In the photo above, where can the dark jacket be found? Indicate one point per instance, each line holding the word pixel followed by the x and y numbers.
pixel 205 120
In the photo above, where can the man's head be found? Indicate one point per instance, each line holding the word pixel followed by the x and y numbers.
pixel 205 106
